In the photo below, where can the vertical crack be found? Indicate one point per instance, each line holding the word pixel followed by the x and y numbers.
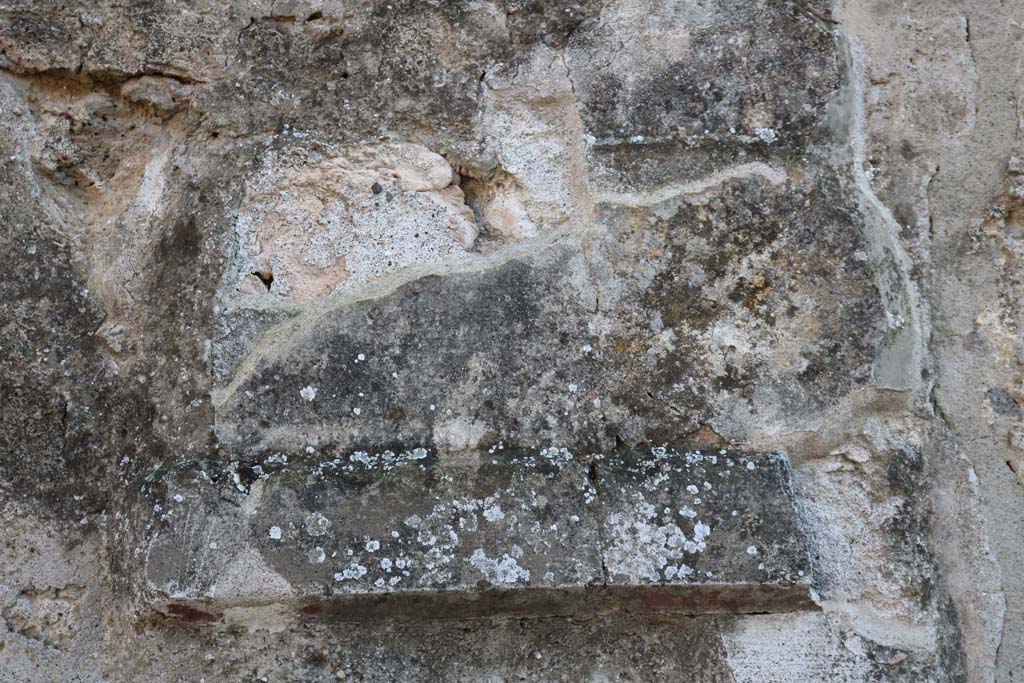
pixel 931 216
pixel 974 65
pixel 593 475
pixel 568 77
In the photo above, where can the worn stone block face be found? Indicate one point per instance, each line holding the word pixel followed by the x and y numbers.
pixel 540 533
pixel 312 224
pixel 720 521
pixel 297 293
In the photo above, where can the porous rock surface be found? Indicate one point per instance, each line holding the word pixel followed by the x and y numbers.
pixel 463 340
pixel 409 534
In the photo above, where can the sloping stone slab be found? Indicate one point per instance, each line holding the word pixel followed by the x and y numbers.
pixel 413 535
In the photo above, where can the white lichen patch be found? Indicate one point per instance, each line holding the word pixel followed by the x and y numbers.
pixel 494 514
pixel 317 555
pixel 677 571
pixel 385 460
pixel 316 524
pixel 640 548
pixel 558 456
pixel 353 571
pixel 503 571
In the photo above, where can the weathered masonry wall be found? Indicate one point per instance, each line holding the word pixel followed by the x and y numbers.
pixel 463 340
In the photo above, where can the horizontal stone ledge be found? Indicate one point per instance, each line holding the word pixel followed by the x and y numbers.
pixel 688 600
pixel 413 535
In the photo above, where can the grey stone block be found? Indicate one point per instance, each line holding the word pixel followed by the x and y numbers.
pixel 414 535
pixel 703 532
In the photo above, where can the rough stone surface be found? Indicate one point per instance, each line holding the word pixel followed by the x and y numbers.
pixel 373 536
pixel 246 243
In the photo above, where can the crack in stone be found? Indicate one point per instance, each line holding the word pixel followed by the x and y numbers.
pixel 88 78
pixel 593 475
pixel 974 65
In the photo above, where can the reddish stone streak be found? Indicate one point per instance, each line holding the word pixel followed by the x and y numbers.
pixel 191 613
pixel 311 609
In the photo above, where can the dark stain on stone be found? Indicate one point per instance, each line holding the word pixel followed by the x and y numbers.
pixel 191 613
pixel 1003 402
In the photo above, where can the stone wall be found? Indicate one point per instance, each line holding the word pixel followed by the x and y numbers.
pixel 470 340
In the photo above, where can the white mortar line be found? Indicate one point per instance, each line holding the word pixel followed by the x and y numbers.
pixel 883 231
pixel 694 187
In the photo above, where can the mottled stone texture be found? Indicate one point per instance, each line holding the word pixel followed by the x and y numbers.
pixel 374 536
pixel 511 340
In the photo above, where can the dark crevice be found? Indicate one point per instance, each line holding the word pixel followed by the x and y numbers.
pixel 103 78
pixel 238 40
pixel 928 197
pixel 593 476
pixel 933 400
pixel 266 278
pixel 1015 468
pixel 974 61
